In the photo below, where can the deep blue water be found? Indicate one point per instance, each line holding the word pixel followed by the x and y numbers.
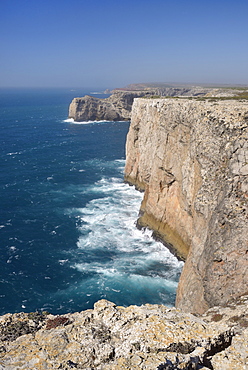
pixel 67 220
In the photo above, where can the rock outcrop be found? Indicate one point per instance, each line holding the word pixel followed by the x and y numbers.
pixel 117 107
pixel 116 338
pixel 191 159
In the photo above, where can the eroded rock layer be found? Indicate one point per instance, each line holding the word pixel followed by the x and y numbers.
pixel 117 107
pixel 109 337
pixel 191 159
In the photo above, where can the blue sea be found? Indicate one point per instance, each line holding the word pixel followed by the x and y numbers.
pixel 67 220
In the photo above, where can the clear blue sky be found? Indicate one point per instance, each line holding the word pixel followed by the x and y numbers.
pixel 111 43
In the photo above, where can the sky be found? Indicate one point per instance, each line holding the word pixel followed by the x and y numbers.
pixel 112 43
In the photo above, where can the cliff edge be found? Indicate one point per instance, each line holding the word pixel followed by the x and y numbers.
pixel 116 107
pixel 190 157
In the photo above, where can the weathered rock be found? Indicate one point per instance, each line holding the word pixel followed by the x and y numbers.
pixel 191 159
pixel 164 89
pixel 117 107
pixel 116 338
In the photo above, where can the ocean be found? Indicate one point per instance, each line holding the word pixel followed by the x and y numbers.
pixel 67 219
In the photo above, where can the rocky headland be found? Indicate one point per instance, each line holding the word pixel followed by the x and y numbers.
pixel 118 106
pixel 189 156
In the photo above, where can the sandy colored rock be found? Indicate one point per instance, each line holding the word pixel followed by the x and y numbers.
pixel 117 107
pixel 113 337
pixel 190 157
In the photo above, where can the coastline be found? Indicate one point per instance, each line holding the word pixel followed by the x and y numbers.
pixel 155 336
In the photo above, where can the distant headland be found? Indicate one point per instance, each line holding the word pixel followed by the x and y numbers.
pixel 117 107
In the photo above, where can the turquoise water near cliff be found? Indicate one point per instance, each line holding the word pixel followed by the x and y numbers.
pixel 67 220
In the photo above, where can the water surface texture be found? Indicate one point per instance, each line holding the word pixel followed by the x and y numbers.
pixel 67 219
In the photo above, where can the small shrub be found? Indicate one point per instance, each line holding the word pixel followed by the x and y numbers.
pixel 13 330
pixel 217 317
pixel 37 316
pixel 58 321
pixel 181 347
pixel 241 320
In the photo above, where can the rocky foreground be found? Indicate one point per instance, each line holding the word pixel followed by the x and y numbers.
pixel 109 337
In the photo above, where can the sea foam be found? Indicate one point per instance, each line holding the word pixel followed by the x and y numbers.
pixel 114 257
pixel 71 120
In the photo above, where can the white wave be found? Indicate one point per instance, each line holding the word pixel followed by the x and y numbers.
pixel 62 262
pixel 120 287
pixel 14 153
pixel 108 227
pixel 113 256
pixel 71 120
pixel 108 273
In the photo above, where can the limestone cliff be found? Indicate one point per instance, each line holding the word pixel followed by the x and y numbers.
pixel 117 107
pixel 108 337
pixel 191 159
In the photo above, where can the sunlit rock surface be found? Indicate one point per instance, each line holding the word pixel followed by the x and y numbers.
pixel 191 159
pixel 118 338
pixel 117 107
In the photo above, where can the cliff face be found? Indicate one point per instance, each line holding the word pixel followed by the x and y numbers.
pixel 115 108
pixel 118 106
pixel 191 159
